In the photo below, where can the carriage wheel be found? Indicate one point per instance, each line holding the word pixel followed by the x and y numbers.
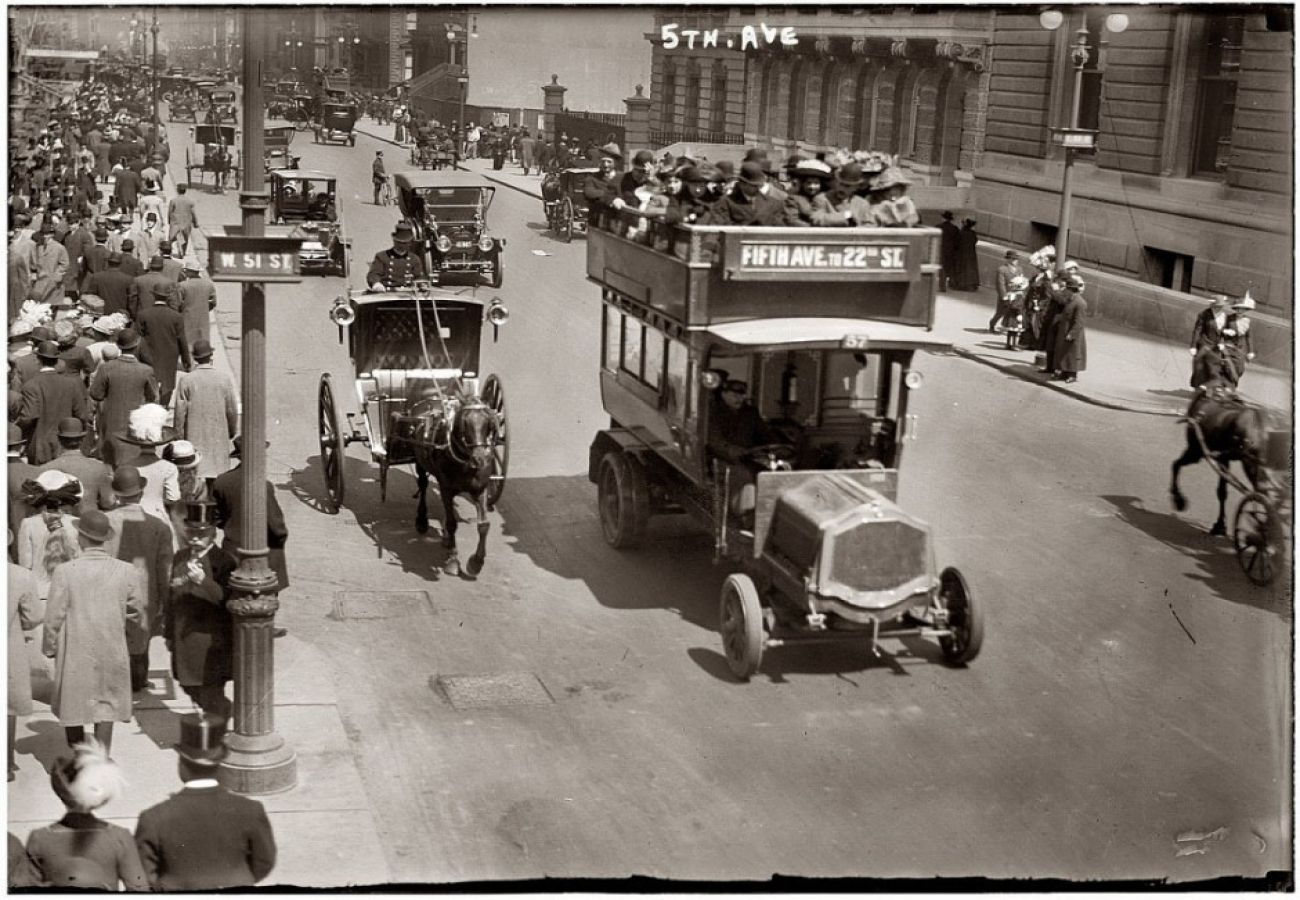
pixel 965 618
pixel 1252 534
pixel 566 220
pixel 740 619
pixel 331 444
pixel 498 271
pixel 494 395
pixel 624 500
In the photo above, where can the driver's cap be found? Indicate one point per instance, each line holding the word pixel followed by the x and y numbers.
pixel 735 385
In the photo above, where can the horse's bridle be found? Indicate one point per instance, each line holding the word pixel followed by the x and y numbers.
pixel 457 448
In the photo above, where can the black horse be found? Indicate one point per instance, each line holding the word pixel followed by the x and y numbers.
pixel 454 442
pixel 1232 431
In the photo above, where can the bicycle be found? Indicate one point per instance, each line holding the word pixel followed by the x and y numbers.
pixel 386 193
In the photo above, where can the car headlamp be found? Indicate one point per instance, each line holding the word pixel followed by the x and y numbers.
pixel 444 243
pixel 486 244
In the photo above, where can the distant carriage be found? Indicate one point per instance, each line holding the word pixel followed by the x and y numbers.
pixel 214 150
pixel 565 204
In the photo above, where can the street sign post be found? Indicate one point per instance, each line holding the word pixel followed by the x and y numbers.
pixel 254 259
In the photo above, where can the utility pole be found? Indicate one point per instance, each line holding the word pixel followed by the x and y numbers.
pixel 259 762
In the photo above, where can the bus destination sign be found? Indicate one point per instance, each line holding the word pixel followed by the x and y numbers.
pixel 788 256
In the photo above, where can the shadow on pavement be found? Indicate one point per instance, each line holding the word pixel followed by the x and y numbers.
pixel 839 659
pixel 389 525
pixel 1183 394
pixel 672 570
pixel 46 743
pixel 1220 573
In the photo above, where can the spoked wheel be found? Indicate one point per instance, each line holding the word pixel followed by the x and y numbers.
pixel 566 220
pixel 1253 535
pixel 494 395
pixel 498 270
pixel 964 618
pixel 624 500
pixel 740 619
pixel 331 444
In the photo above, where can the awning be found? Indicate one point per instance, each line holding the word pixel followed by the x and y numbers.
pixel 828 333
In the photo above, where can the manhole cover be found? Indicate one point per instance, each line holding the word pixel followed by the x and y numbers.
pixel 491 691
pixel 380 604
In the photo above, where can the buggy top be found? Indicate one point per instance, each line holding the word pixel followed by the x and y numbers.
pixel 449 198
pixel 384 339
pixel 215 134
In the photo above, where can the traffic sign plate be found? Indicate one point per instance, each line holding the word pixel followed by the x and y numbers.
pixel 258 259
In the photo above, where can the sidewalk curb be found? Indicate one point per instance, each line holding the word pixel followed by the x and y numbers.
pixel 394 143
pixel 1059 388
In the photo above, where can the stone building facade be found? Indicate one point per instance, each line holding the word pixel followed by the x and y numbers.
pixel 1189 189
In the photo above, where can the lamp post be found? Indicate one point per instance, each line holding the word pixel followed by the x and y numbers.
pixel 154 30
pixel 1073 137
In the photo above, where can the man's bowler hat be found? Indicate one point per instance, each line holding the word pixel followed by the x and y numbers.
pixel 71 427
pixel 128 482
pixel 202 349
pixel 403 232
pixel 128 339
pixel 95 525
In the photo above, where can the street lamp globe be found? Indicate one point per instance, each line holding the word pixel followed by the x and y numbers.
pixel 1051 19
pixel 1117 23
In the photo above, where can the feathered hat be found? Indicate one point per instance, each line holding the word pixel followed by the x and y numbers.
pixel 148 426
pixel 88 780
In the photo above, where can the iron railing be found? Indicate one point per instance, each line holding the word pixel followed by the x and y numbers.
pixel 693 136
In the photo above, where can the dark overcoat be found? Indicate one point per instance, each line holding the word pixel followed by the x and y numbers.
pixel 163 330
pixel 227 493
pixel 95 478
pixel 205 839
pixel 114 285
pixel 1071 336
pixel 121 384
pixel 197 623
pixel 48 397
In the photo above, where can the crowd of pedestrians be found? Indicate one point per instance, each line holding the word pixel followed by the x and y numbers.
pixel 125 493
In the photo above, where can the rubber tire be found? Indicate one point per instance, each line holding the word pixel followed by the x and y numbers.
pixel 963 614
pixel 566 221
pixel 623 498
pixel 1252 529
pixel 494 395
pixel 498 272
pixel 740 622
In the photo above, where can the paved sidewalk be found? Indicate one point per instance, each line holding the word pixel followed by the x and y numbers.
pixel 1127 370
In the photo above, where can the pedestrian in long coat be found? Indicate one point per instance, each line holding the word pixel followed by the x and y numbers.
pixel 24 615
pixel 198 627
pixel 198 298
pixel 121 385
pixel 49 267
pixel 949 246
pixel 1071 355
pixel 126 190
pixel 207 414
pixel 163 331
pixel 144 290
pixel 113 284
pixel 527 146
pixel 967 275
pixel 92 474
pixel 145 542
pixel 49 397
pixel 95 601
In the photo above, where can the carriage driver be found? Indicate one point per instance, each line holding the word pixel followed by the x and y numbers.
pixel 735 428
pixel 397 266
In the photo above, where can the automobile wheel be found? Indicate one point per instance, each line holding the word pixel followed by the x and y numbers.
pixel 624 500
pixel 498 271
pixel 965 619
pixel 740 620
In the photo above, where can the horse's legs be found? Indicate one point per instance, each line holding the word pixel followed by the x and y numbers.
pixel 448 493
pixel 1220 527
pixel 1190 456
pixel 475 564
pixel 422 507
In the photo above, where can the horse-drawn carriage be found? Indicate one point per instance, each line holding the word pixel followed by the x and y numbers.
pixel 213 149
pixel 429 152
pixel 799 491
pixel 564 202
pixel 335 123
pixel 415 358
pixel 448 214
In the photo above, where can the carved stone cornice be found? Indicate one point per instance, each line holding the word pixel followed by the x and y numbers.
pixel 898 48
pixel 973 55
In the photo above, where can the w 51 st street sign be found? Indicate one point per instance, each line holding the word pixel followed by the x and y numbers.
pixel 254 258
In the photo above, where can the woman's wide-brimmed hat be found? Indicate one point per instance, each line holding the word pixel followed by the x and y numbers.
pixel 182 455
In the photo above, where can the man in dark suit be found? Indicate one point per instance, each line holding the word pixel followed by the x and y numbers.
pixel 19 471
pixel 1009 269
pixel 96 258
pixel 163 331
pixel 949 244
pixel 130 264
pixel 121 385
pixel 94 476
pixel 143 290
pixel 750 202
pixel 49 397
pixel 113 285
pixel 203 837
pixel 228 493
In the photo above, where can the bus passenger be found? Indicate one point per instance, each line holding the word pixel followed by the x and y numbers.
pixel 751 202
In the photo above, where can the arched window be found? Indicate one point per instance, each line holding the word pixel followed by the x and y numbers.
pixel 718 100
pixel 830 103
pixel 767 94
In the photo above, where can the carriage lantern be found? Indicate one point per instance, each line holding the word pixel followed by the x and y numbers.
pixel 497 315
pixel 343 313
